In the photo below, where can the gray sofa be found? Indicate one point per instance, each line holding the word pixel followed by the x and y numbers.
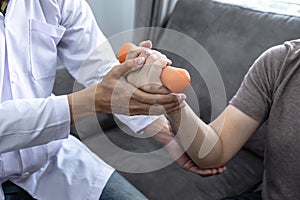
pixel 234 37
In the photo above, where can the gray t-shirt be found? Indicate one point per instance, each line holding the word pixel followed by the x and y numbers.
pixel 271 92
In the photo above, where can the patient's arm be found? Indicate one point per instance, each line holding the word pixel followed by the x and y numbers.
pixel 210 146
pixel 162 132
pixel 215 144
pixel 148 79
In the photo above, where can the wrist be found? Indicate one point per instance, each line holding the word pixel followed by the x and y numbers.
pixel 70 97
pixel 101 98
pixel 81 104
pixel 175 118
pixel 160 130
pixel 174 115
pixel 163 138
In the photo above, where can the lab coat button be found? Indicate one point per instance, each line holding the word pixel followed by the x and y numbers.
pixel 13 78
pixel 26 174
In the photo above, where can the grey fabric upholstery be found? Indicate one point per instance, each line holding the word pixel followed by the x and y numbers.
pixel 243 174
pixel 234 37
pixel 64 82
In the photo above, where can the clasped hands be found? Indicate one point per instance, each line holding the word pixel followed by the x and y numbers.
pixel 134 88
pixel 114 94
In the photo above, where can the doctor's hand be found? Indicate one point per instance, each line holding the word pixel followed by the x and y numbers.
pixel 161 131
pixel 115 95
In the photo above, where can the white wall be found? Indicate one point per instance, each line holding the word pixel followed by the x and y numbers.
pixel 113 16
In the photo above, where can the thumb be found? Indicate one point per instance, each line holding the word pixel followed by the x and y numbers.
pixel 146 44
pixel 129 66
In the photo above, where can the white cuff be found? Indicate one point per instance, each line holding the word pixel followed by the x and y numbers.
pixel 63 118
pixel 137 123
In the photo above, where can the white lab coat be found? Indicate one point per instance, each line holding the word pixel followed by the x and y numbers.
pixel 37 152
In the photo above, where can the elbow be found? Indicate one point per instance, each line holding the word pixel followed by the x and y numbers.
pixel 210 163
pixel 210 154
pixel 213 160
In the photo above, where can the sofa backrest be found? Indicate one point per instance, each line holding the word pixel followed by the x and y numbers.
pixel 234 37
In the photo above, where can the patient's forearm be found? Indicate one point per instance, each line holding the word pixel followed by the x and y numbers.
pixel 201 142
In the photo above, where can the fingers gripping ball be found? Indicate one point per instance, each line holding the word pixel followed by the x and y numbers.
pixel 123 51
pixel 175 79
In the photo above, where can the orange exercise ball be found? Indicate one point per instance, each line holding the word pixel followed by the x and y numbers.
pixel 173 78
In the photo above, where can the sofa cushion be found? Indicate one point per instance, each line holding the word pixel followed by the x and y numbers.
pixel 234 37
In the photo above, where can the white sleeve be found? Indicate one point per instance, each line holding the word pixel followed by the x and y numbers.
pixel 137 123
pixel 83 49
pixel 88 55
pixel 31 122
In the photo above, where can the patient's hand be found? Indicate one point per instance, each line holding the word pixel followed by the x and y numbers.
pixel 148 77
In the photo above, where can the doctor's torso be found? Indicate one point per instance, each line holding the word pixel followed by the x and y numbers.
pixel 28 39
